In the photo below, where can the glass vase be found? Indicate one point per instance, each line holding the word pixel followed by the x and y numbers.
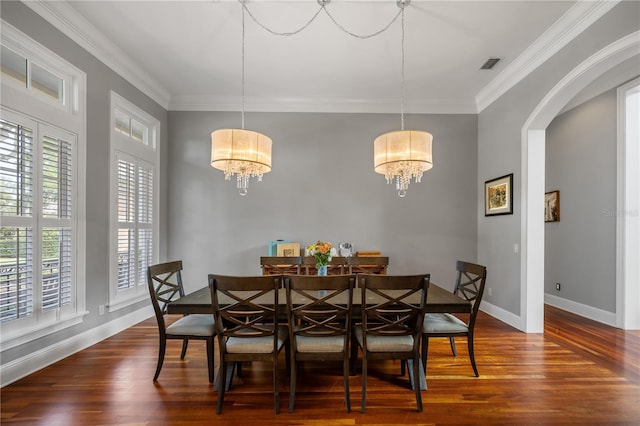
pixel 322 270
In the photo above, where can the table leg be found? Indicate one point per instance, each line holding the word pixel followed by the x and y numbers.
pixel 422 378
pixel 231 367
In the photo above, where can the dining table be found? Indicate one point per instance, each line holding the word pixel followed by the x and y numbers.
pixel 439 300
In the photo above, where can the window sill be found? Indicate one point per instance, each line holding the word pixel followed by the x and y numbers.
pixel 20 336
pixel 112 307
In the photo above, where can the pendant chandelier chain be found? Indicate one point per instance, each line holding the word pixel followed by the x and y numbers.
pixel 402 76
pixel 323 4
pixel 243 35
pixel 365 36
pixel 285 34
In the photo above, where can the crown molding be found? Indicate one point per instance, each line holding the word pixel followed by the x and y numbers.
pixel 328 105
pixel 73 25
pixel 577 19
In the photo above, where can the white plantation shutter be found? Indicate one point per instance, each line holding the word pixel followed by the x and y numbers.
pixel 16 273
pixel 16 232
pixel 37 232
pixel 126 222
pixel 135 221
pixel 145 221
pixel 57 173
pixel 56 271
pixel 57 250
pixel 16 169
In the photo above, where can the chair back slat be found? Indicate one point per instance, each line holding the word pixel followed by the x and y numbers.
pixel 278 265
pixel 245 307
pixel 400 306
pixel 368 264
pixel 319 306
pixel 165 285
pixel 470 283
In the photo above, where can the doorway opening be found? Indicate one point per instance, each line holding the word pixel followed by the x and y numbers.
pixel 533 185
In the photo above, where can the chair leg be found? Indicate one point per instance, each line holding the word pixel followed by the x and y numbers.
pixel 276 390
pixel 287 355
pixel 403 365
pixel 161 351
pixel 185 342
pixel 345 374
pixel 222 374
pixel 293 373
pixel 363 404
pixel 471 354
pixel 354 357
pixel 452 342
pixel 210 359
pixel 416 381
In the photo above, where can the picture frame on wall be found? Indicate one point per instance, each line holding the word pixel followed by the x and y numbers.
pixel 498 196
pixel 552 206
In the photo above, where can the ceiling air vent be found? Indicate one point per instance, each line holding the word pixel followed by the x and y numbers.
pixel 491 62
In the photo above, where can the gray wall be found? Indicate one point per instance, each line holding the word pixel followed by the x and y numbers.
pixel 581 162
pixel 100 80
pixel 499 149
pixel 322 186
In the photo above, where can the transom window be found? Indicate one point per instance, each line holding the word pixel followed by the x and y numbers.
pixel 39 78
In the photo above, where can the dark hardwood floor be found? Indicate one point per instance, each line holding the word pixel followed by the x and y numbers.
pixel 578 372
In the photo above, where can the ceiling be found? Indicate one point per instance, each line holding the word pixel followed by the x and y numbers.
pixel 186 55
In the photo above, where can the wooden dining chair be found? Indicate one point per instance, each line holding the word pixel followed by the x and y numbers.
pixel 279 265
pixel 368 264
pixel 246 313
pixel 393 310
pixel 470 281
pixel 319 311
pixel 165 285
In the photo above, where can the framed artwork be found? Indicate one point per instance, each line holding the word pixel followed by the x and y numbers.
pixel 498 196
pixel 552 206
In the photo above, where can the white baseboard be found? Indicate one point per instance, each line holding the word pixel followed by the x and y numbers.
pixel 507 317
pixel 21 367
pixel 596 314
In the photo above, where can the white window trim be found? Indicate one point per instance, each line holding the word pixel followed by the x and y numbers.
pixel 69 116
pixel 147 153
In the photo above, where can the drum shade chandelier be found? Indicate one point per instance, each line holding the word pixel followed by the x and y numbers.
pixel 240 152
pixel 399 155
pixel 402 154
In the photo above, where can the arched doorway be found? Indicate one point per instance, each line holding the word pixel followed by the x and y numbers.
pixel 533 173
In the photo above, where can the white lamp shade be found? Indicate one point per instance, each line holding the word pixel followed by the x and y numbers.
pixel 402 146
pixel 238 149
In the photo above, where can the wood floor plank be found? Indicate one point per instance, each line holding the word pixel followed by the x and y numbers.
pixel 577 372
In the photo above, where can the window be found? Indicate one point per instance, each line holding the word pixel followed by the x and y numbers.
pixel 134 236
pixel 45 79
pixel 42 190
pixel 36 177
